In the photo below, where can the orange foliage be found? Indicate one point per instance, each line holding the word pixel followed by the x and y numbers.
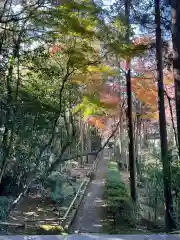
pixel 168 78
pixel 97 121
pixel 55 50
pixel 145 90
pixel 109 99
pixel 151 115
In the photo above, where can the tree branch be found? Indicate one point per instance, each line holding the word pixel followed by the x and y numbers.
pixel 98 151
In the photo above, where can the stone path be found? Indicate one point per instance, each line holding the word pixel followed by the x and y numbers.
pixel 90 214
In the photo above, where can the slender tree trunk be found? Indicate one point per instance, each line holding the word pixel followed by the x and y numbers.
pixel 82 142
pixel 129 114
pixel 172 120
pixel 176 60
pixel 169 221
pixel 140 151
pixel 137 141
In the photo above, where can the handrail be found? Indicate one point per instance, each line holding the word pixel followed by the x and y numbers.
pixel 12 224
pixel 73 201
pixel 94 166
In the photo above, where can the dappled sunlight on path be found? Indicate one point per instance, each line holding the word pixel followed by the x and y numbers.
pixel 90 214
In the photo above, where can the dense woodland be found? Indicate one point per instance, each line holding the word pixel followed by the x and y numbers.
pixel 78 77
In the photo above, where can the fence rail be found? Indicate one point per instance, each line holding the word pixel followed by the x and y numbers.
pixel 74 200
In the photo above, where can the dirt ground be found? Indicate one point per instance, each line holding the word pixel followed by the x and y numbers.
pixel 35 208
pixel 39 208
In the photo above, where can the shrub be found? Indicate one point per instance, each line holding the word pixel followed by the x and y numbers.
pixel 62 191
pixel 9 186
pixel 4 207
pixel 118 201
pixel 4 211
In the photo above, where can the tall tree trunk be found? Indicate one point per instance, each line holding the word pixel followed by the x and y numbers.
pixel 175 4
pixel 137 141
pixel 172 120
pixel 169 221
pixel 132 164
pixel 82 161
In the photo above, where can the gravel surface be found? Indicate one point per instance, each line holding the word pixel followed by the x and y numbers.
pixel 90 214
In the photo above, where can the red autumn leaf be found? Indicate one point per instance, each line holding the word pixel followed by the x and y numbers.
pixel 56 50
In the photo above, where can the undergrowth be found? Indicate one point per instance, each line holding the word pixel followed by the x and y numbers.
pixel 120 212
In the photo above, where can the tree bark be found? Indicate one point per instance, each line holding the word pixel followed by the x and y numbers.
pixel 132 164
pixel 169 221
pixel 175 4
pixel 137 141
pixel 172 120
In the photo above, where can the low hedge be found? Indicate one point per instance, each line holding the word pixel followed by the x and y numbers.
pixel 117 198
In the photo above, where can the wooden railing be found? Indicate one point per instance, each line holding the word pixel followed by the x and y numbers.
pixel 61 221
pixel 78 198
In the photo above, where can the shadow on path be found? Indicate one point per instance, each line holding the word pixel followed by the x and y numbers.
pixel 90 214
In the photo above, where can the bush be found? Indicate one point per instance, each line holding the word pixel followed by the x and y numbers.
pixel 62 191
pixel 4 207
pixel 118 201
pixel 9 186
pixel 4 211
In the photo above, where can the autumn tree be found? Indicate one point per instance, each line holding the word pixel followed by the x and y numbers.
pixel 49 46
pixel 52 77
